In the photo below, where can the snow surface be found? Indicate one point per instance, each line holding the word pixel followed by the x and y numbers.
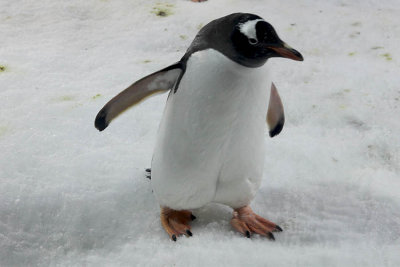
pixel 72 196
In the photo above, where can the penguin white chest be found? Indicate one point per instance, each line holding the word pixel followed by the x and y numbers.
pixel 210 145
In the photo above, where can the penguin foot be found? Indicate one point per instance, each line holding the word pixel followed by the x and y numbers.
pixel 176 222
pixel 245 221
pixel 148 173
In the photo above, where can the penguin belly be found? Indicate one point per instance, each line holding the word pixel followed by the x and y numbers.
pixel 210 145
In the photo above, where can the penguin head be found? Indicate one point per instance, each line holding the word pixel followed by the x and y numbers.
pixel 244 38
pixel 255 41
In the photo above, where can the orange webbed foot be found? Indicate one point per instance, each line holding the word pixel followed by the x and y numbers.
pixel 176 222
pixel 247 222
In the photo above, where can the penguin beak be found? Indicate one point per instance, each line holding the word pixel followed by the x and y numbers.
pixel 287 52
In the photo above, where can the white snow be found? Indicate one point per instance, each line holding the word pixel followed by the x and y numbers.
pixel 73 196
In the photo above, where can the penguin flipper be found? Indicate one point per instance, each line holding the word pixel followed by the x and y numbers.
pixel 157 82
pixel 275 114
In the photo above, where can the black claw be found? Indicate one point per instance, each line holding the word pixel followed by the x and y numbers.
pixel 278 228
pixel 148 173
pixel 189 233
pixel 271 236
pixel 192 217
pixel 248 234
pixel 173 237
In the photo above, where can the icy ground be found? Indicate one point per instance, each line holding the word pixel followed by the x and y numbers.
pixel 72 196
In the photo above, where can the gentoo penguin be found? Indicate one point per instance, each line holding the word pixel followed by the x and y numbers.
pixel 210 145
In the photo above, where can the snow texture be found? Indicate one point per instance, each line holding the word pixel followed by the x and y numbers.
pixel 73 196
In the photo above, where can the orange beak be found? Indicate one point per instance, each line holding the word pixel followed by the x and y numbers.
pixel 287 52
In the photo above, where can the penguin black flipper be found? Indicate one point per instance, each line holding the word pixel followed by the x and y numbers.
pixel 275 114
pixel 157 82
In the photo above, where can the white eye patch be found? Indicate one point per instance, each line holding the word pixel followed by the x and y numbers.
pixel 249 28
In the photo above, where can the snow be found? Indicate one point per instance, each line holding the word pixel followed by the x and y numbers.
pixel 72 196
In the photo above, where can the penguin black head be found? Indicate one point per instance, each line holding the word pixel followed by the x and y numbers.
pixel 256 40
pixel 245 38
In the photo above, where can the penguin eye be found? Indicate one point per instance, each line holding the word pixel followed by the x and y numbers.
pixel 253 41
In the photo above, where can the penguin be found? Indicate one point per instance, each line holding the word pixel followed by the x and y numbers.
pixel 210 143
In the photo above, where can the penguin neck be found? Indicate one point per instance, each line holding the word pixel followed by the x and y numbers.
pixel 214 77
